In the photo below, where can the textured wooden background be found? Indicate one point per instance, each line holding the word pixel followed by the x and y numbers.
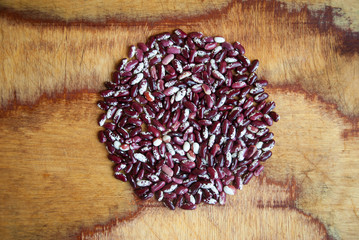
pixel 55 179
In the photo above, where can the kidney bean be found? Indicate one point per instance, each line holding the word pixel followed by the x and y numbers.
pixel 191 106
pixel 210 114
pixel 260 97
pixel 268 145
pixel 267 119
pixel 234 113
pixel 218 88
pixel 234 92
pixel 215 128
pixel 228 147
pixel 158 125
pixel 265 156
pixel 274 116
pixel 181 59
pixel 176 116
pixel 178 140
pixel 232 132
pixel 254 65
pixel 160 114
pixel 102 137
pixel 195 98
pixel 148 110
pixel 154 130
pixel 198 137
pixel 175 106
pixel 209 101
pixel 258 124
pixel 145 118
pixel 252 129
pixel 268 107
pixel 253 166
pixel 134 121
pixel 262 132
pixel 255 116
pixel 249 111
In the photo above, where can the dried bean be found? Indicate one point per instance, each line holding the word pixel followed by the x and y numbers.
pixel 185 90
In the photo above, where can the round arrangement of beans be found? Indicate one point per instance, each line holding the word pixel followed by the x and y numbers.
pixel 186 119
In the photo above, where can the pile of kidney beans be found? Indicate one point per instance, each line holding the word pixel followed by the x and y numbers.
pixel 186 119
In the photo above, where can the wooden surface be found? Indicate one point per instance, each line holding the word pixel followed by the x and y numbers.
pixel 55 180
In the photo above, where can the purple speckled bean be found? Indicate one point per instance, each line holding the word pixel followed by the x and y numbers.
pixel 274 116
pixel 258 170
pixel 247 178
pixel 131 65
pixel 177 87
pixel 157 186
pixel 166 60
pixel 265 156
pixel 153 130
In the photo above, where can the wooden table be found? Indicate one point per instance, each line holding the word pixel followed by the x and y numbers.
pixel 55 180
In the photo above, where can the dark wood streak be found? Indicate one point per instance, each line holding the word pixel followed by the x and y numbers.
pixel 36 17
pixel 329 106
pixel 324 21
pixel 15 105
pixel 290 184
pixel 321 19
pixel 100 228
pixel 294 191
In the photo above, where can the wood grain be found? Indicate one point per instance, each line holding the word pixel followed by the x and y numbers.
pixel 308 55
pixel 102 11
pixel 55 180
pixel 346 13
